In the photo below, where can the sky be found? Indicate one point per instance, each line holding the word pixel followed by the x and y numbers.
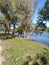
pixel 40 4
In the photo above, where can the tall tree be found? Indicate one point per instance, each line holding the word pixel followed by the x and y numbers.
pixel 28 11
pixel 43 16
pixel 44 12
pixel 17 9
pixel 8 12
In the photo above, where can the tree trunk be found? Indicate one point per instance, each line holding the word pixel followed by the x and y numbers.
pixel 24 33
pixel 8 28
pixel 29 34
pixel 13 29
pixel 5 31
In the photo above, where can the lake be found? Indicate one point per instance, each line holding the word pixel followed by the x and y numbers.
pixel 43 38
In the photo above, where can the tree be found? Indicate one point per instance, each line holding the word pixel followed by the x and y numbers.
pixel 5 25
pixel 12 11
pixel 28 11
pixel 44 12
pixel 40 26
pixel 43 16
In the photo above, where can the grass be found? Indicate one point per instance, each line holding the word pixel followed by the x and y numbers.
pixel 17 48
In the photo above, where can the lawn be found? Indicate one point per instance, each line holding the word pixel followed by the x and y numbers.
pixel 16 50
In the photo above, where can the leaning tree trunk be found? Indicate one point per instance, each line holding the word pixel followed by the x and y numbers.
pixel 29 34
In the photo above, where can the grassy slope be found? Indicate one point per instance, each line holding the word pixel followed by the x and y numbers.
pixel 16 49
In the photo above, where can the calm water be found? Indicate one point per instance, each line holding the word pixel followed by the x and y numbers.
pixel 43 38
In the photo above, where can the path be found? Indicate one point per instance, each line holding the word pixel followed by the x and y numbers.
pixel 1 57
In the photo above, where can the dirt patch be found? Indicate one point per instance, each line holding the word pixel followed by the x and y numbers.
pixel 1 57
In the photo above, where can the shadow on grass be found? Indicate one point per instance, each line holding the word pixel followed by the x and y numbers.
pixel 36 63
pixel 27 60
pixel 6 36
pixel 44 60
pixel 39 59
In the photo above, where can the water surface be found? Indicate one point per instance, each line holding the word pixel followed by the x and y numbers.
pixel 43 38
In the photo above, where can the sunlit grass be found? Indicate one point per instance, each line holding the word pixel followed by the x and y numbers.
pixel 16 49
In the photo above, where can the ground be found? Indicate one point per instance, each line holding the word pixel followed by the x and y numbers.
pixel 14 50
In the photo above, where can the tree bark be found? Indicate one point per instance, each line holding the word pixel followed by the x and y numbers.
pixel 13 29
pixel 8 28
pixel 24 33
